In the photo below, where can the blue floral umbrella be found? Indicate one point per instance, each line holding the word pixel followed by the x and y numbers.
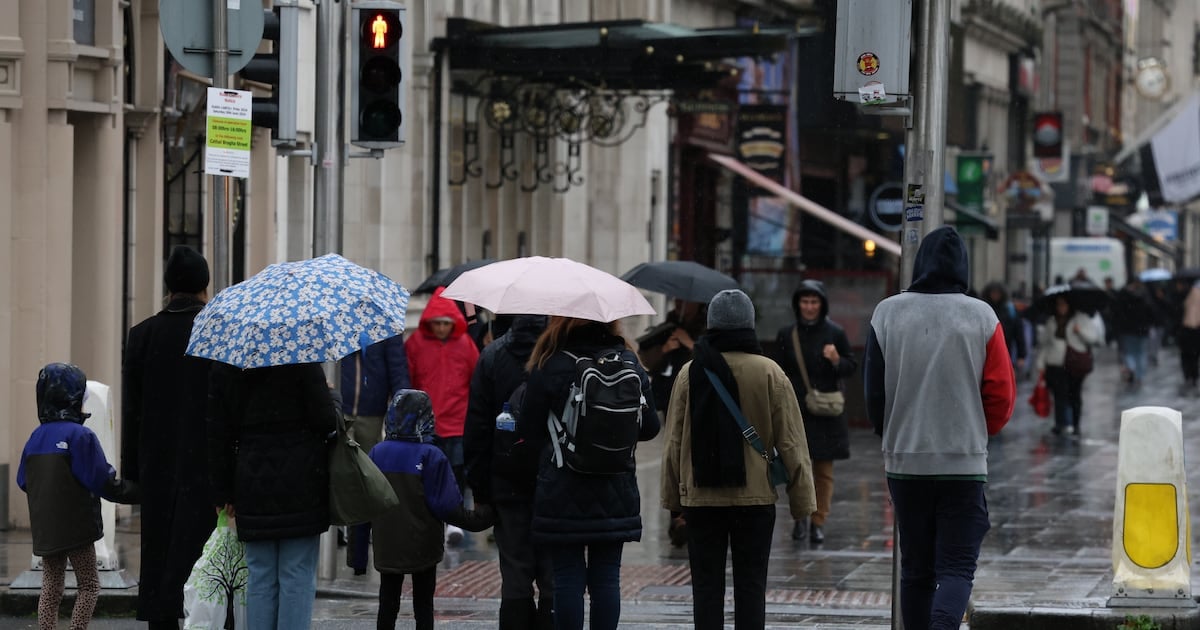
pixel 310 311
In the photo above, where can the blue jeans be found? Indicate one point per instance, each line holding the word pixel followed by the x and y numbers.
pixel 942 524
pixel 599 573
pixel 1133 354
pixel 283 583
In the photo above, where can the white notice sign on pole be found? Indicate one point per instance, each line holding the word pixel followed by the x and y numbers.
pixel 227 145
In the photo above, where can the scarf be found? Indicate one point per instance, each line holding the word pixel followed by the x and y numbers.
pixel 718 451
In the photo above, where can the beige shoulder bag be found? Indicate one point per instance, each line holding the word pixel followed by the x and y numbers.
pixel 819 403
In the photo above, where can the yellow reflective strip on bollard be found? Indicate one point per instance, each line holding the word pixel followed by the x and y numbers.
pixel 1151 535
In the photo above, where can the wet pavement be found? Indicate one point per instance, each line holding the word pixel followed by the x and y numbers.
pixel 1051 502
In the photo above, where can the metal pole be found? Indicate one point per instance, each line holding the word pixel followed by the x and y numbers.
pixel 327 181
pixel 220 183
pixel 924 168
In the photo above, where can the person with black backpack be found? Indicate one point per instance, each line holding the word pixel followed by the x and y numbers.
pixel 502 473
pixel 587 404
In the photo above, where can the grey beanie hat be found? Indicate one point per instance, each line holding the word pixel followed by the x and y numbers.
pixel 730 309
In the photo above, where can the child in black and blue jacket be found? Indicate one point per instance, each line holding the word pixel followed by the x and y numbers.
pixel 408 538
pixel 64 474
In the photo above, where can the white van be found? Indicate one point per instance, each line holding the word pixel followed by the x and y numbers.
pixel 1099 258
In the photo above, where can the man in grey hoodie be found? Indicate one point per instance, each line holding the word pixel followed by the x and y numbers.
pixel 938 382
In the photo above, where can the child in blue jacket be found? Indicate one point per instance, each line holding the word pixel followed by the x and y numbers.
pixel 64 473
pixel 408 538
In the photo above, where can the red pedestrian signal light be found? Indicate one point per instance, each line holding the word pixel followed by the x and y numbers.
pixel 377 75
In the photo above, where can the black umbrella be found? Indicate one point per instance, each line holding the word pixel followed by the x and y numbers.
pixel 1081 295
pixel 682 279
pixel 1190 274
pixel 443 277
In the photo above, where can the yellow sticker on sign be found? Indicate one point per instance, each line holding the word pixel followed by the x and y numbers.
pixel 229 133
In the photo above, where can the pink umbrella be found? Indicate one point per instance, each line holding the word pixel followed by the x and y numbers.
pixel 549 286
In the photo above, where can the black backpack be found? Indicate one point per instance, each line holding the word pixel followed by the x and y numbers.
pixel 597 431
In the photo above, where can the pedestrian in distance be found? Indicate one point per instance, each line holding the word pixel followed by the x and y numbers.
pixel 163 399
pixel 408 538
pixel 996 296
pixel 502 472
pixel 1067 327
pixel 584 518
pixel 369 378
pixel 816 352
pixel 268 432
pixel 1189 341
pixel 714 476
pixel 64 473
pixel 664 350
pixel 1132 316
pixel 441 360
pixel 938 381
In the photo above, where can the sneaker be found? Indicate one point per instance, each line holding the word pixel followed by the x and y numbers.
pixel 454 535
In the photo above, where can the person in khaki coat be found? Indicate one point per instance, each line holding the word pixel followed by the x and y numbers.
pixel 716 478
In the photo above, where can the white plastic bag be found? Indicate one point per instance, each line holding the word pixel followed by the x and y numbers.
pixel 216 587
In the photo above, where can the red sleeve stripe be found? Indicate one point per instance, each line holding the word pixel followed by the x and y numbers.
pixel 998 386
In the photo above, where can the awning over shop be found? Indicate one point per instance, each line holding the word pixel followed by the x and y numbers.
pixel 1121 227
pixel 623 54
pixel 885 243
pixel 1173 158
pixel 991 228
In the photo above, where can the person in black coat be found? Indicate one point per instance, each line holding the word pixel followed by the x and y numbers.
pixel 996 296
pixel 268 432
pixel 828 359
pixel 584 518
pixel 499 473
pixel 162 440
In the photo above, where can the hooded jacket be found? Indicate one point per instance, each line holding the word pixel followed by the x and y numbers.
pixel 828 436
pixel 498 471
pixel 938 378
pixel 63 470
pixel 408 538
pixel 443 368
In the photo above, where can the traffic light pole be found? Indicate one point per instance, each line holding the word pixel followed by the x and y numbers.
pixel 924 172
pixel 327 181
pixel 220 183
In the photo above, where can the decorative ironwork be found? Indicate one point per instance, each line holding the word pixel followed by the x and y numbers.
pixel 555 117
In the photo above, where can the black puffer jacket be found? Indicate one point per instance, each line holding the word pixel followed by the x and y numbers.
pixel 494 469
pixel 828 436
pixel 268 453
pixel 569 507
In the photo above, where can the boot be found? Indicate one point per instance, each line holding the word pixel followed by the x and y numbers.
pixel 517 614
pixel 800 529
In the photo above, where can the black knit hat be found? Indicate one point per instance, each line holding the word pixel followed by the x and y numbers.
pixel 187 271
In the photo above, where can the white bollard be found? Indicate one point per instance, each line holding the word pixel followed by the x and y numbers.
pixel 1151 549
pixel 99 403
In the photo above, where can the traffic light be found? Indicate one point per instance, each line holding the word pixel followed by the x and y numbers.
pixel 377 75
pixel 276 69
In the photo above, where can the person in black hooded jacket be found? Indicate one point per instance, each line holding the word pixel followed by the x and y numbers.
pixel 828 359
pixel 585 519
pixel 503 474
pixel 64 473
pixel 268 430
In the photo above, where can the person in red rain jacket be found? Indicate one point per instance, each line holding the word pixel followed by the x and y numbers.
pixel 441 360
